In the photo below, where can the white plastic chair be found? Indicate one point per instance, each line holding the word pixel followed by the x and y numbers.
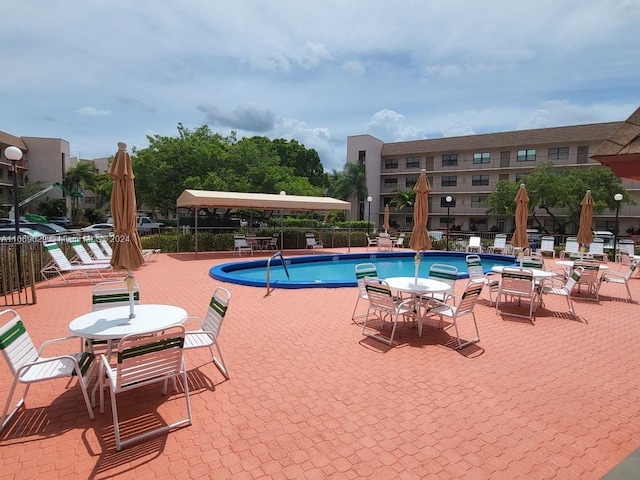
pixel 626 247
pixel 385 243
pixel 570 246
pixel 209 329
pixel 312 243
pixel 382 303
pixel 499 244
pixel 445 273
pixel 476 274
pixel 241 245
pixel 371 242
pixel 28 366
pixel 518 283
pixel 143 361
pixel 620 278
pixel 398 242
pixel 60 265
pixel 596 248
pixel 589 278
pixel 465 306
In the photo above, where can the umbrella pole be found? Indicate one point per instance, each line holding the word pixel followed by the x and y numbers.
pixel 416 261
pixel 130 282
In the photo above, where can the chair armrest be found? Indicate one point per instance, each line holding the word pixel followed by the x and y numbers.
pixel 197 320
pixel 55 340
pixel 611 274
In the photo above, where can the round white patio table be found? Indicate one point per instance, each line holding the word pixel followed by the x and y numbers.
pixel 538 273
pixel 114 323
pixel 569 264
pixel 424 286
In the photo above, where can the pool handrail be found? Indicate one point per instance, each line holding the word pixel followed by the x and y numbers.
pixel 277 254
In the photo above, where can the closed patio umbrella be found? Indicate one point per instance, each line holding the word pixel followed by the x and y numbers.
pixel 420 239
pixel 127 252
pixel 519 238
pixel 385 224
pixel 585 234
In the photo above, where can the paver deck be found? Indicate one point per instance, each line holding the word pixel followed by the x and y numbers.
pixel 310 397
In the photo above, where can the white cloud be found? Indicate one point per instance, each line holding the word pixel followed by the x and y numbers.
pixel 93 112
pixel 390 126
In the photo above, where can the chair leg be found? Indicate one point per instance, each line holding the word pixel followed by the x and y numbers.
pixel 7 417
pixel 219 361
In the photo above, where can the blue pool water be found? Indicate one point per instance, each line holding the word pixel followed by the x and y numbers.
pixel 330 271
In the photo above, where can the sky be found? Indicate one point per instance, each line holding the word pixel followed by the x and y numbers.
pixel 98 72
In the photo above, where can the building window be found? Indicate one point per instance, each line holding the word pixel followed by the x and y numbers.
pixel 450 160
pixel 609 225
pixel 478 180
pixel 391 183
pixel 478 224
pixel 479 158
pixel 410 182
pixel 413 162
pixel 520 177
pixel 362 156
pixel 449 181
pixel 505 158
pixel 527 155
pixel 391 164
pixel 90 200
pixel 503 176
pixel 451 222
pixel 479 201
pixel 583 154
pixel 558 153
pixel 429 164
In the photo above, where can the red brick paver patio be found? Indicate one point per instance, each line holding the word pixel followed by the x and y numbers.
pixel 310 397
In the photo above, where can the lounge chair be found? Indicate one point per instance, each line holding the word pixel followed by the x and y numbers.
pixel 312 242
pixel 60 265
pixel 104 244
pixel 547 245
pixel 475 244
pixel 96 251
pixel 596 248
pixel 571 246
pixel 83 257
pixel 241 245
pixel 499 244
pixel 626 249
pixel 28 366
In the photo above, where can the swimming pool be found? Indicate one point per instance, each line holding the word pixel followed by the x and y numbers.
pixel 331 271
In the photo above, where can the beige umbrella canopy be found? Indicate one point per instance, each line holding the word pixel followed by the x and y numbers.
pixel 385 224
pixel 420 239
pixel 127 252
pixel 519 238
pixel 585 234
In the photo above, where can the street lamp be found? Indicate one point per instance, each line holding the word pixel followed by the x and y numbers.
pixel 14 154
pixel 369 200
pixel 282 192
pixel 618 198
pixel 448 199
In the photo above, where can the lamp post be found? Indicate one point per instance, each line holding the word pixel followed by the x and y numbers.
pixel 369 200
pixel 282 192
pixel 618 198
pixel 448 199
pixel 14 154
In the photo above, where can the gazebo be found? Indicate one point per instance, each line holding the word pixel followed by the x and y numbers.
pixel 621 151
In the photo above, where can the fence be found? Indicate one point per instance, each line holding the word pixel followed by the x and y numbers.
pixel 19 269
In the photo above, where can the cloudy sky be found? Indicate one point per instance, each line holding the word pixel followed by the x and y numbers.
pixel 95 73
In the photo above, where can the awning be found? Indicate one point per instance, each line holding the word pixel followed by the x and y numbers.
pixel 621 151
pixel 259 201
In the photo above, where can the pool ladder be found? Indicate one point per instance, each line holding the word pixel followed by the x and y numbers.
pixel 277 254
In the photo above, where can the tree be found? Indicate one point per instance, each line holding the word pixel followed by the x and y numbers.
pixel 350 182
pixel 403 199
pixel 553 188
pixel 76 179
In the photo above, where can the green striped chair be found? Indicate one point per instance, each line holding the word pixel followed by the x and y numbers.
pixel 476 274
pixel 209 329
pixel 363 270
pixel 382 304
pixel 552 288
pixel 28 366
pixel 143 361
pixel 60 265
pixel 447 274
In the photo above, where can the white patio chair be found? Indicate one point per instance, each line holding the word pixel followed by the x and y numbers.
pixel 385 243
pixel 209 329
pixel 363 270
pixel 272 244
pixel 499 244
pixel 553 288
pixel 398 242
pixel 571 246
pixel 371 242
pixel 547 245
pixel 589 278
pixel 144 361
pixel 475 244
pixel 625 247
pixel 241 245
pixel 96 251
pixel 312 243
pixel 596 248
pixel 382 303
pixel 444 273
pixel 518 283
pixel 60 265
pixel 28 366
pixel 83 258
pixel 465 306
pixel 104 244
pixel 620 278
pixel 476 274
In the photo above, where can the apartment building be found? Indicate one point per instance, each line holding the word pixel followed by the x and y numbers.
pixel 467 169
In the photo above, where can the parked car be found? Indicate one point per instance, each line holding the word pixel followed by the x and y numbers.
pixel 62 221
pixel 99 228
pixel 8 234
pixel 48 228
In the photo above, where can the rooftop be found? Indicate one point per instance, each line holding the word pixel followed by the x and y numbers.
pixel 310 397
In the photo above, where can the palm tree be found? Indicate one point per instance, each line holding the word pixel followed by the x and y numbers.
pixel 76 179
pixel 350 182
pixel 403 199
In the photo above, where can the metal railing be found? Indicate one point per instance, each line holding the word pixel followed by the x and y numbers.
pixel 277 254
pixel 19 263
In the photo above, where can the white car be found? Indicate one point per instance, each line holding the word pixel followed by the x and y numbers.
pixel 103 228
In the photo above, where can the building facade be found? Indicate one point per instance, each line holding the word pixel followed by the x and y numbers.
pixel 468 168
